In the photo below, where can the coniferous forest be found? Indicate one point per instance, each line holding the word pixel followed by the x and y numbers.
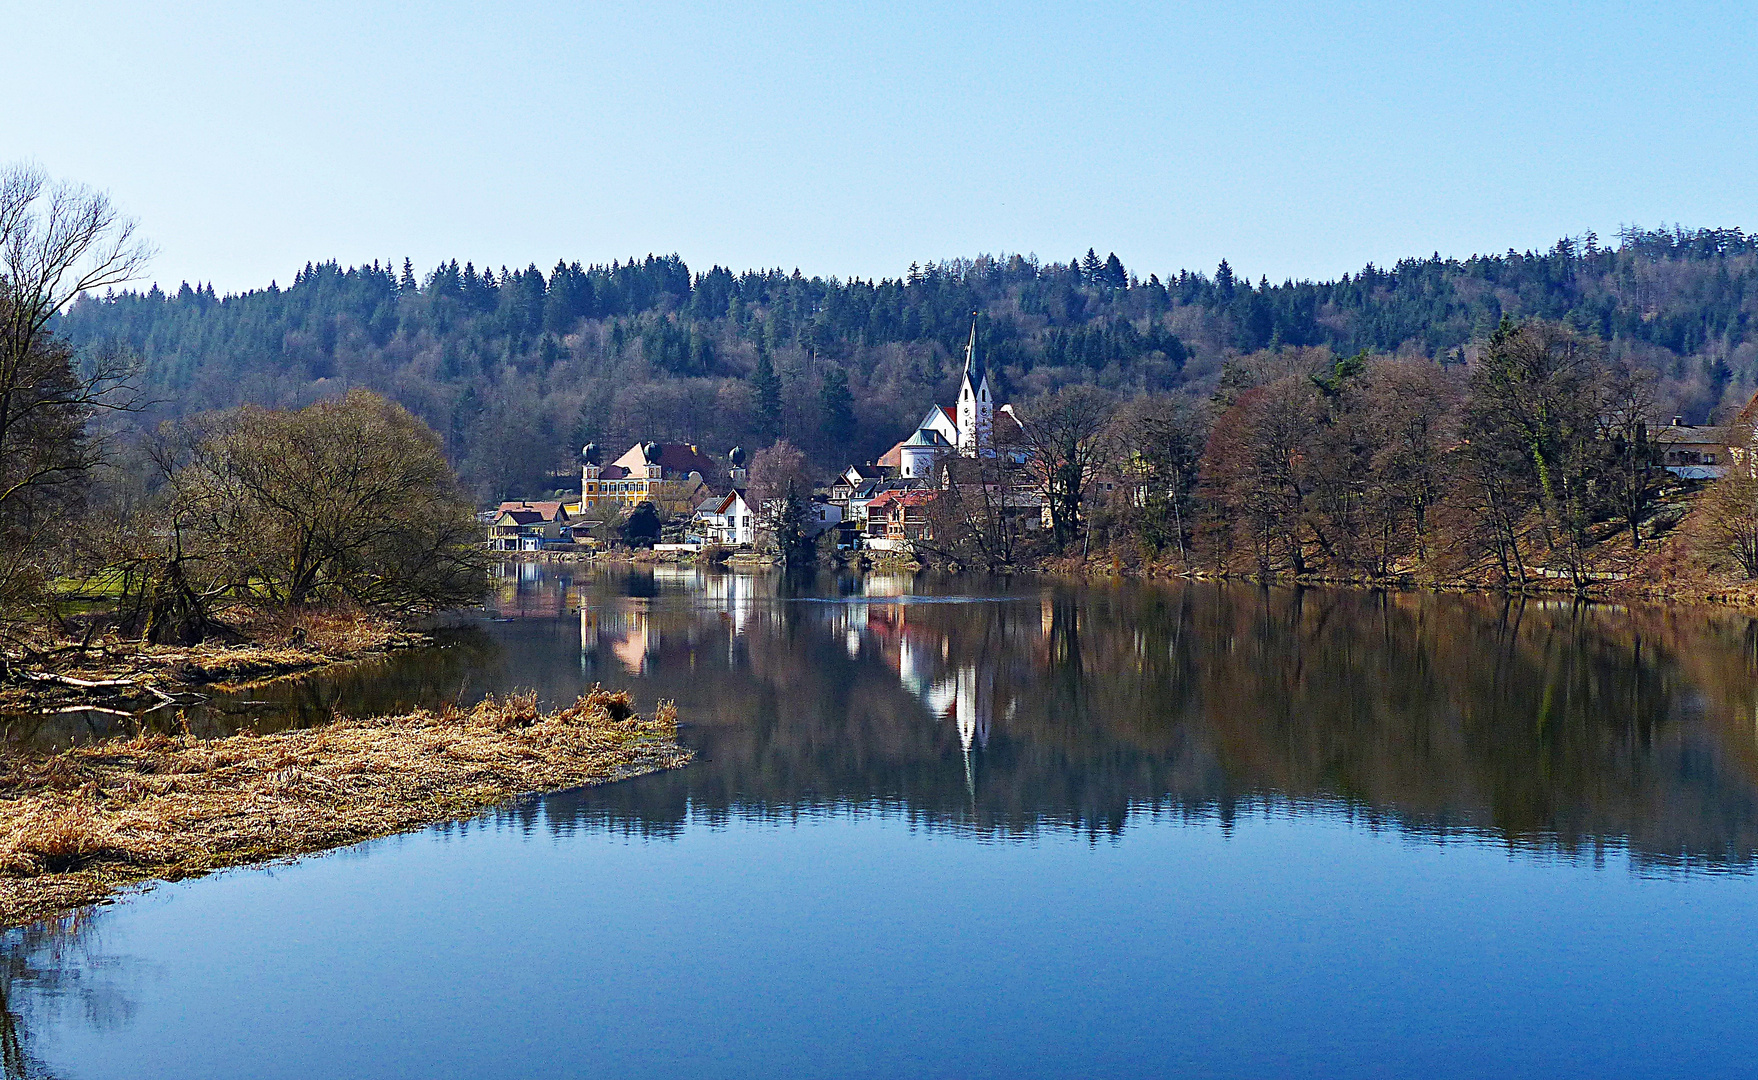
pixel 516 369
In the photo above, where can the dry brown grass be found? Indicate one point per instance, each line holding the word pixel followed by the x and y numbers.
pixel 337 630
pixel 273 642
pixel 76 826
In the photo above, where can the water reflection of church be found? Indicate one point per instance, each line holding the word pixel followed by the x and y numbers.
pixel 913 639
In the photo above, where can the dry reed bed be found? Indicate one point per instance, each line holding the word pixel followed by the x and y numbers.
pixel 77 826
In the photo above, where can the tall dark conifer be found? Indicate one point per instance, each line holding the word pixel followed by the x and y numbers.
pixel 837 408
pixel 767 387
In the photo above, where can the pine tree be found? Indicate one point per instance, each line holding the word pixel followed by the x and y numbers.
pixel 837 405
pixel 789 520
pixel 1090 267
pixel 1113 273
pixel 767 386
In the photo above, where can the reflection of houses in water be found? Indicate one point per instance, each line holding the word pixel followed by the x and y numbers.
pixel 526 592
pixel 636 630
pixel 888 585
pixel 912 665
pixel 735 595
pixel 627 633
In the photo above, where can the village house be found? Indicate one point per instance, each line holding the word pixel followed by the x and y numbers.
pixel 898 518
pixel 855 477
pixel 529 526
pixel 728 520
pixel 855 508
pixel 1691 451
pixel 822 514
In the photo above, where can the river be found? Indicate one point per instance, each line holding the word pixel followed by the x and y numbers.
pixel 986 827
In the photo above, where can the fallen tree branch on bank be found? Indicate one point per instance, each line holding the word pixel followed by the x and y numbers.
pixel 77 826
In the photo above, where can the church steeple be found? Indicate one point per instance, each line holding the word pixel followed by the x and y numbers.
pixel 973 365
pixel 976 409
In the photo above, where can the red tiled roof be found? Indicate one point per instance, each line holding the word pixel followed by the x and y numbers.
pixel 547 511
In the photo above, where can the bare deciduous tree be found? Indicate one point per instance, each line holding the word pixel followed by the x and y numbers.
pixel 1163 436
pixel 1729 515
pixel 781 486
pixel 983 508
pixel 1068 436
pixel 57 240
pixel 1630 467
pixel 1259 470
pixel 1410 419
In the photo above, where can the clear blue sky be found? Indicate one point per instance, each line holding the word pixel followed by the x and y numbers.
pixel 1297 140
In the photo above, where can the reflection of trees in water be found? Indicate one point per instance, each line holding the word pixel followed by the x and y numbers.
pixel 50 967
pixel 1557 725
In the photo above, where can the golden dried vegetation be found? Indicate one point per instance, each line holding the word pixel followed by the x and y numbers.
pixel 76 826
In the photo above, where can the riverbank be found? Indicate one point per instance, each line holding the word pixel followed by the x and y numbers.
pixel 1664 569
pixel 78 826
pixel 135 675
pixel 1678 561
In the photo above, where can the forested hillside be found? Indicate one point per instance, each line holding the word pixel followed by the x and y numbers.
pixel 517 368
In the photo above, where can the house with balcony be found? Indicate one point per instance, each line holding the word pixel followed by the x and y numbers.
pixel 728 520
pixel 529 526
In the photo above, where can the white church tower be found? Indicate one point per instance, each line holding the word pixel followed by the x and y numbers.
pixel 976 408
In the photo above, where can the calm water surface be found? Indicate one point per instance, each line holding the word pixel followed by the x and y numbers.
pixel 997 828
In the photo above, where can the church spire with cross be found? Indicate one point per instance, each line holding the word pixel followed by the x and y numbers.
pixel 976 405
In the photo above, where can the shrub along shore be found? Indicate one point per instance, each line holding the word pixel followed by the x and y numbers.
pixel 75 827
